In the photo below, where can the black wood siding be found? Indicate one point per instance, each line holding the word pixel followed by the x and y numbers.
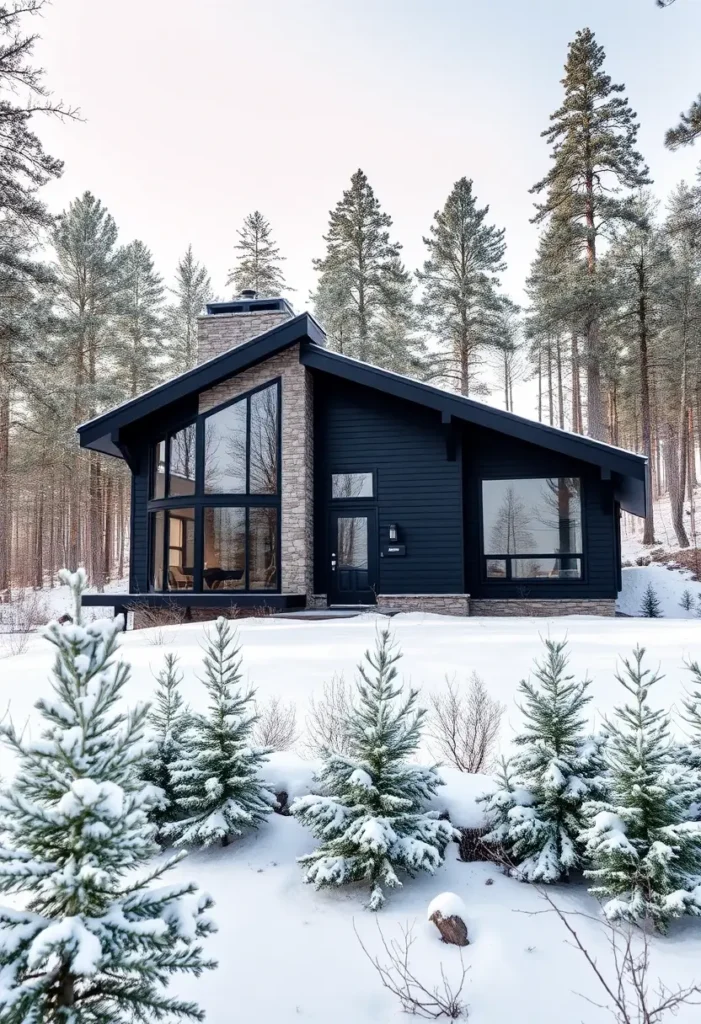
pixel 488 454
pixel 418 487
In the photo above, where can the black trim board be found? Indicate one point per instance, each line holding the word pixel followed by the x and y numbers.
pixel 102 433
pixel 189 599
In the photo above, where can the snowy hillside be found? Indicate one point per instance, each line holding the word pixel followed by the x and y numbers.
pixel 288 953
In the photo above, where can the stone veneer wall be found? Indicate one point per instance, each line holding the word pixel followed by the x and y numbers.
pixel 541 607
pixel 217 334
pixel 442 604
pixel 297 499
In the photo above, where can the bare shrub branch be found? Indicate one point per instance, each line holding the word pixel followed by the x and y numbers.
pixel 464 725
pixel 327 719
pixel 398 978
pixel 277 724
pixel 630 998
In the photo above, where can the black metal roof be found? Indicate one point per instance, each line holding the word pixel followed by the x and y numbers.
pixel 628 470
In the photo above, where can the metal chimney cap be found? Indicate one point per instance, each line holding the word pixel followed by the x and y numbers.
pixel 249 294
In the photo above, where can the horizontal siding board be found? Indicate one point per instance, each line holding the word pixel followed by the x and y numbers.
pixel 417 486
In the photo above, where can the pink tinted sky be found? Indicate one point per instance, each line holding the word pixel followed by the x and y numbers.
pixel 198 113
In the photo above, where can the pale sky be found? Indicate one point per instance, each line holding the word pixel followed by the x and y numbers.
pixel 198 113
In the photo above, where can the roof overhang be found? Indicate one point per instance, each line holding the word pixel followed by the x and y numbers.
pixel 626 470
pixel 110 432
pixel 102 434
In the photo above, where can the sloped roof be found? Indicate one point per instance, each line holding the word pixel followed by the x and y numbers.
pixel 628 470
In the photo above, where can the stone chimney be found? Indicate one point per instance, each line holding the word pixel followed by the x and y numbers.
pixel 228 324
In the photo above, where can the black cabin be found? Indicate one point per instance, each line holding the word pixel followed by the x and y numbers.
pixel 277 473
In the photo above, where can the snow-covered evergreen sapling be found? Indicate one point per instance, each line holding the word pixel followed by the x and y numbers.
pixel 168 720
pixel 536 819
pixel 95 941
pixel 371 817
pixel 650 607
pixel 216 780
pixel 645 853
pixel 691 714
pixel 686 601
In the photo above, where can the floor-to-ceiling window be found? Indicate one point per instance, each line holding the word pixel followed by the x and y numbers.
pixel 215 499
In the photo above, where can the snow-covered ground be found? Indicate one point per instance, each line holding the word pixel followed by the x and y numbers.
pixel 632 529
pixel 288 953
pixel 669 584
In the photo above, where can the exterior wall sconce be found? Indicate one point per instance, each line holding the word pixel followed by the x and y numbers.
pixel 393 533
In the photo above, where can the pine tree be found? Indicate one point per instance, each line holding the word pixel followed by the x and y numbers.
pixel 650 607
pixel 363 274
pixel 140 350
pixel 645 855
pixel 193 290
pixel 168 720
pixel 686 601
pixel 537 818
pixel 372 820
pixel 216 781
pixel 95 942
pixel 687 131
pixel 637 264
pixel 259 265
pixel 460 303
pixel 25 167
pixel 89 269
pixel 593 137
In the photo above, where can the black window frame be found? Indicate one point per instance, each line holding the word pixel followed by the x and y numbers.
pixel 536 581
pixel 200 499
pixel 353 499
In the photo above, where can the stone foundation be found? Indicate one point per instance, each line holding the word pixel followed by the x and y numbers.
pixel 538 607
pixel 441 604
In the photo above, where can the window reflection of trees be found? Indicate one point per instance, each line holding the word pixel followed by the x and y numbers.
pixel 520 521
pixel 510 532
pixel 225 450
pixel 228 442
pixel 263 443
pixel 182 461
pixel 351 485
pixel 353 542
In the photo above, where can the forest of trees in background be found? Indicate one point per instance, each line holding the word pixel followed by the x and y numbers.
pixel 609 338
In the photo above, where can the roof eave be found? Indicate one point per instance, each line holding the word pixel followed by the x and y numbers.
pixel 628 464
pixel 96 434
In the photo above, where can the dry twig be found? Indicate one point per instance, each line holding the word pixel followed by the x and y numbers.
pixel 398 978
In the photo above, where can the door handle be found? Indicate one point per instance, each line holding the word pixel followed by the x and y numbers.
pixel 333 561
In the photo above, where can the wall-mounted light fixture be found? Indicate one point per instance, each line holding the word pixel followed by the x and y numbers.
pixel 393 533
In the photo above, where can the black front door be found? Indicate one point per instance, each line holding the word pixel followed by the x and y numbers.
pixel 353 557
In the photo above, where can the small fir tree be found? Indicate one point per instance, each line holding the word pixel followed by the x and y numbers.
pixel 686 601
pixel 258 263
pixel 691 714
pixel 168 720
pixel 216 781
pixel 536 819
pixel 645 854
pixel 650 607
pixel 500 802
pixel 95 942
pixel 372 819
